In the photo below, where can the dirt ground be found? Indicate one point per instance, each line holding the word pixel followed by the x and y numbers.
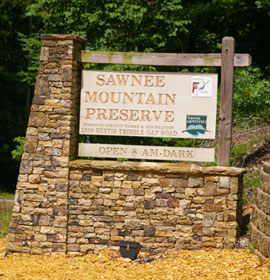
pixel 192 265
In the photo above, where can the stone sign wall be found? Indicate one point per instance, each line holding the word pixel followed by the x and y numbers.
pixel 67 206
pixel 260 220
pixel 161 206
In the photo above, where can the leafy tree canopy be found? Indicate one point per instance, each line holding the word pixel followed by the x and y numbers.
pixel 122 25
pixel 127 25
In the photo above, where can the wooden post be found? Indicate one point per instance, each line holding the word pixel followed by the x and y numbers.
pixel 226 99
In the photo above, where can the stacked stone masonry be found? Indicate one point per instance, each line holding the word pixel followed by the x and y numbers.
pixel 161 206
pixel 39 219
pixel 260 220
pixel 63 205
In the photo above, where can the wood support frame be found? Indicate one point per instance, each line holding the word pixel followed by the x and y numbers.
pixel 162 59
pixel 227 60
pixel 226 102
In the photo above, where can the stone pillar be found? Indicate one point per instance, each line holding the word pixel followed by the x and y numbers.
pixel 39 220
pixel 260 220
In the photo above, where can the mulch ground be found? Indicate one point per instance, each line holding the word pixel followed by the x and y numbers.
pixel 192 265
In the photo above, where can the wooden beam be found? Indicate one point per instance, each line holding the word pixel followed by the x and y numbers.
pixel 159 59
pixel 226 99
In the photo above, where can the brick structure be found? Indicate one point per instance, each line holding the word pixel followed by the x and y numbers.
pixel 63 205
pixel 260 220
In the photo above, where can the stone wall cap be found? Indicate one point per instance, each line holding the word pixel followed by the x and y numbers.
pixel 62 37
pixel 181 168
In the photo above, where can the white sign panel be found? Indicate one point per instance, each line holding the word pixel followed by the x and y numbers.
pixel 148 104
pixel 146 152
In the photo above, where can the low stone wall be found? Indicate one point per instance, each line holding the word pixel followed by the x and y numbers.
pixel 260 220
pixel 161 206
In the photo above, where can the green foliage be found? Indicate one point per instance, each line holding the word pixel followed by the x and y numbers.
pixel 239 151
pixel 6 195
pixel 251 183
pixel 252 246
pixel 31 46
pixel 13 105
pixel 251 180
pixel 5 216
pixel 214 19
pixel 251 94
pixel 114 24
pixel 18 151
pixel 263 5
pixel 127 25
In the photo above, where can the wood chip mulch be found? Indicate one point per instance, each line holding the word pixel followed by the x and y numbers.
pixel 192 265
